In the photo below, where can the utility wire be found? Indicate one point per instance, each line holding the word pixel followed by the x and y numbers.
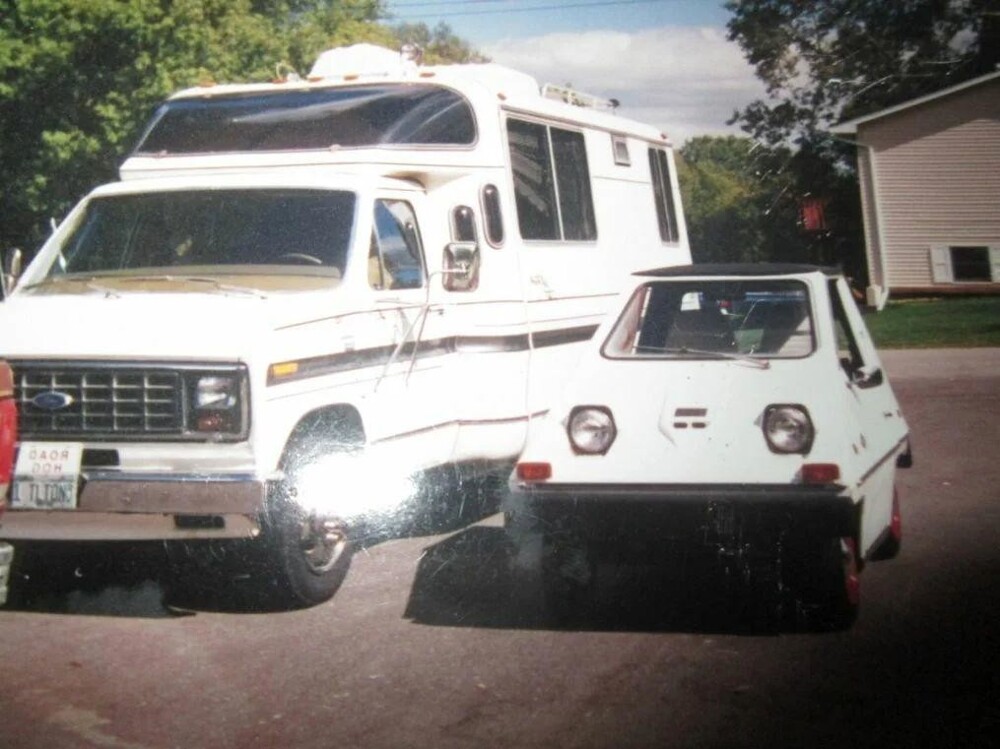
pixel 506 10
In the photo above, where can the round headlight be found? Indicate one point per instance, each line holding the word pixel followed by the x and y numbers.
pixel 788 429
pixel 591 430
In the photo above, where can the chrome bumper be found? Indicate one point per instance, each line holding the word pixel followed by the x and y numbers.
pixel 129 506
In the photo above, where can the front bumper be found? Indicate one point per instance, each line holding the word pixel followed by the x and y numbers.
pixel 115 505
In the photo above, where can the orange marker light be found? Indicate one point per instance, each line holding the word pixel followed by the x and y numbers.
pixel 534 471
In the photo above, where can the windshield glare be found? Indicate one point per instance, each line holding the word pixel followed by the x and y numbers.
pixel 226 231
pixel 715 318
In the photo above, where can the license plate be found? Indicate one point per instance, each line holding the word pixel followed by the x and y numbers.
pixel 47 476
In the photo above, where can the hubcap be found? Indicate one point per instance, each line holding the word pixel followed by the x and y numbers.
pixel 322 542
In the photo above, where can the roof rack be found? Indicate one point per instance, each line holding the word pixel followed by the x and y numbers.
pixel 577 98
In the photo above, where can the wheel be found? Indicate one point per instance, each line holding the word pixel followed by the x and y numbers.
pixel 827 588
pixel 893 541
pixel 307 542
pixel 308 552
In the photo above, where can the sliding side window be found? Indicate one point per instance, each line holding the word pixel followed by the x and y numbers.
pixel 666 211
pixel 551 182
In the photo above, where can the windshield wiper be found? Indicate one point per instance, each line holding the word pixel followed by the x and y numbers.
pixel 685 351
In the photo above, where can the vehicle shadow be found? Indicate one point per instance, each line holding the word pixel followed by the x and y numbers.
pixel 89 579
pixel 465 581
pixel 156 579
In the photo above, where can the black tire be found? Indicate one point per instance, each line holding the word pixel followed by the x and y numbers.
pixel 308 550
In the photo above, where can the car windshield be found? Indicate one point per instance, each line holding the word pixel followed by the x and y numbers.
pixel 221 231
pixel 358 116
pixel 709 319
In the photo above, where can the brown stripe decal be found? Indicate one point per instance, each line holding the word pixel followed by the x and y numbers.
pixel 318 366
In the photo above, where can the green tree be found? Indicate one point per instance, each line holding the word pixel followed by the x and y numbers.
pixel 744 202
pixel 79 78
pixel 439 44
pixel 826 60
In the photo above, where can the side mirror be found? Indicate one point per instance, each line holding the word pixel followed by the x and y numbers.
pixel 461 266
pixel 867 377
pixel 11 271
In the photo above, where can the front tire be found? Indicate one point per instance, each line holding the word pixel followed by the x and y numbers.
pixel 308 541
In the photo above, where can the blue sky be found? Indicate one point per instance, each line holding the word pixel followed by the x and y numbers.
pixel 667 61
pixel 485 21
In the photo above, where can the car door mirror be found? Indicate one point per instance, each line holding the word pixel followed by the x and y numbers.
pixel 461 266
pixel 867 377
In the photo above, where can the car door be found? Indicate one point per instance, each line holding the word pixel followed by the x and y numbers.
pixel 411 392
pixel 883 431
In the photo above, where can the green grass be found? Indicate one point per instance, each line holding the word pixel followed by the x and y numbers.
pixel 932 323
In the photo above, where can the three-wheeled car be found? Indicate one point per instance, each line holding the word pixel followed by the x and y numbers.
pixel 738 409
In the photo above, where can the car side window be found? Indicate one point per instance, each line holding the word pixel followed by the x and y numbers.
pixel 848 350
pixel 396 258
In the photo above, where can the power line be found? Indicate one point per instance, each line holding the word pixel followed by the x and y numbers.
pixel 505 10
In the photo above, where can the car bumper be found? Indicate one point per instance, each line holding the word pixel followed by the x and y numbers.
pixel 126 506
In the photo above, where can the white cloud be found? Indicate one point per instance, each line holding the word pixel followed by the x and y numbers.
pixel 686 81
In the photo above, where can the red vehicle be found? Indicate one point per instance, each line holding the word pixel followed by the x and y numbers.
pixel 8 435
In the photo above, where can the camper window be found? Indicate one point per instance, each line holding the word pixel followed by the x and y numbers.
pixel 356 116
pixel 463 224
pixel 551 182
pixel 492 215
pixel 666 212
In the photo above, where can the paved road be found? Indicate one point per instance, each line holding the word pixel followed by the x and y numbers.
pixel 422 648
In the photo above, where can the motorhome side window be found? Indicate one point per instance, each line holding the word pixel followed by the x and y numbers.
pixel 395 260
pixel 666 212
pixel 463 224
pixel 551 182
pixel 492 215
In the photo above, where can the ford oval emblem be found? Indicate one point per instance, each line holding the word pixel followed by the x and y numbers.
pixel 52 400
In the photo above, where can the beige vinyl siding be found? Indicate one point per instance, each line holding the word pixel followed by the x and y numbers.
pixel 869 217
pixel 938 179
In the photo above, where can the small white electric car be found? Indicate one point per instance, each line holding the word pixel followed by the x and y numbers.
pixel 738 408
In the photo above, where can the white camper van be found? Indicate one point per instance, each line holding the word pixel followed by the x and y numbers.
pixel 300 293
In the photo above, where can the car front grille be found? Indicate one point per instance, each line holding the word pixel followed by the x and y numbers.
pixel 58 401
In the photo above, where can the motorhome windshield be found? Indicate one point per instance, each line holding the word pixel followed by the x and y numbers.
pixel 357 116
pixel 273 230
pixel 715 319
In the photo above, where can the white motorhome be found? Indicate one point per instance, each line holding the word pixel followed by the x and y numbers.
pixel 301 293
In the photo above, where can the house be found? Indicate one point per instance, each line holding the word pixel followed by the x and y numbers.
pixel 929 170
